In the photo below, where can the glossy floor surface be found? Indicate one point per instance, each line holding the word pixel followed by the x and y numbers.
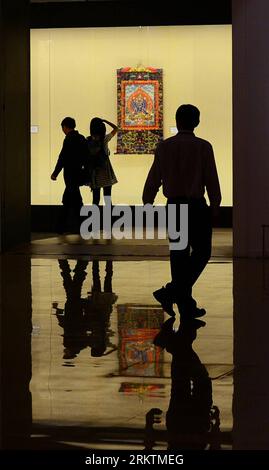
pixel 80 369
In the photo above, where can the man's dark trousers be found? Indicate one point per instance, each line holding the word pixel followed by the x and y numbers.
pixel 188 264
pixel 72 203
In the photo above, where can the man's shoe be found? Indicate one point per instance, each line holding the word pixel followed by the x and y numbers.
pixel 199 323
pixel 167 304
pixel 191 311
pixel 191 322
pixel 164 336
pixel 198 312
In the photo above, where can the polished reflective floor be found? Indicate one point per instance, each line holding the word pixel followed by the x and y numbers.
pixel 83 366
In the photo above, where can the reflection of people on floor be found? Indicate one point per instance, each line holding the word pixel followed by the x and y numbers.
pixel 86 321
pixel 191 420
pixel 100 305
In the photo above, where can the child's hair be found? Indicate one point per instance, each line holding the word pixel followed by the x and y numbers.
pixel 98 128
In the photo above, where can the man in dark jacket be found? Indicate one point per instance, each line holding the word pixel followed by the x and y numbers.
pixel 73 160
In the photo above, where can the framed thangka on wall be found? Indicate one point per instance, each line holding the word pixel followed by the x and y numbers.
pixel 140 109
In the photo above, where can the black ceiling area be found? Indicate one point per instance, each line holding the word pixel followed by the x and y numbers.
pixel 98 13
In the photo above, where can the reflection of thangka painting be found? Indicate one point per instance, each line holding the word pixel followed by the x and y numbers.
pixel 138 325
pixel 140 109
pixel 141 389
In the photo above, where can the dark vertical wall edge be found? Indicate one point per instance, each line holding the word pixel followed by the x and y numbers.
pixel 1 121
pixel 15 123
pixel 16 329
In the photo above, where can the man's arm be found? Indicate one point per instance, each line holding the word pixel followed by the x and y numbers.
pixel 153 182
pixel 59 165
pixel 211 179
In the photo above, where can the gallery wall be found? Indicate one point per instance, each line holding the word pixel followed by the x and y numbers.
pixel 73 73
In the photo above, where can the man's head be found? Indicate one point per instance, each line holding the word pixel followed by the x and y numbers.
pixel 97 128
pixel 68 124
pixel 187 117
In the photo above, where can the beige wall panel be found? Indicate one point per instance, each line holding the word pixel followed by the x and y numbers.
pixel 74 73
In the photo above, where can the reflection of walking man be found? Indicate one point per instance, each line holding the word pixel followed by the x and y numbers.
pixel 185 166
pixel 73 319
pixel 191 420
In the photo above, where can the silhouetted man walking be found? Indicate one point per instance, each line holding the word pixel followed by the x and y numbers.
pixel 185 166
pixel 73 159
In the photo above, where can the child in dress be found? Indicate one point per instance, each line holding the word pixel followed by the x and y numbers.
pixel 103 175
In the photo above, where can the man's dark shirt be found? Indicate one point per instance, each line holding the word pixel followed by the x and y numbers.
pixel 73 157
pixel 185 166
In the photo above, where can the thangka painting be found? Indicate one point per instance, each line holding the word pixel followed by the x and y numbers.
pixel 140 109
pixel 137 326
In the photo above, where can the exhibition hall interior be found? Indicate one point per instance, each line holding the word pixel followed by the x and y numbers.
pixel 90 359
